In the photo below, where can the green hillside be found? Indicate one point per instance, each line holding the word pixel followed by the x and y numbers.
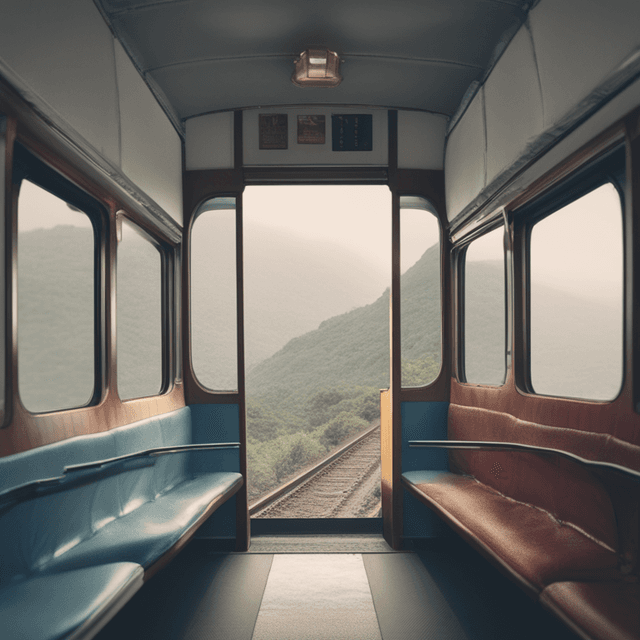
pixel 353 348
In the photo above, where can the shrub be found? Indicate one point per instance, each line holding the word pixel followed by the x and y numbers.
pixel 320 403
pixel 340 428
pixel 293 452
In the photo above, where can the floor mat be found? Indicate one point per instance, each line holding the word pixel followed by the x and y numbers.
pixel 320 544
pixel 317 597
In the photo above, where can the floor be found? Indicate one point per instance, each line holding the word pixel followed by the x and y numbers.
pixel 332 588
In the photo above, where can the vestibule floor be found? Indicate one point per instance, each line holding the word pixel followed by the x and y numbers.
pixel 286 589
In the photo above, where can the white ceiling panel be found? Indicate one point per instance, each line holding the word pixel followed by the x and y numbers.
pixel 212 86
pixel 211 55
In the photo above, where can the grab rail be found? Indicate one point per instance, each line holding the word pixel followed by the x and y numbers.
pixel 81 474
pixel 480 445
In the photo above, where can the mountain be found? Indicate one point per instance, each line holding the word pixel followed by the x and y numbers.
pixel 353 348
pixel 571 356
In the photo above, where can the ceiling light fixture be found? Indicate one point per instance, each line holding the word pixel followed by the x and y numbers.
pixel 317 68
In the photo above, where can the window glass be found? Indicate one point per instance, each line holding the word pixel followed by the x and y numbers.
pixel 139 315
pixel 576 298
pixel 56 276
pixel 484 310
pixel 214 296
pixel 420 309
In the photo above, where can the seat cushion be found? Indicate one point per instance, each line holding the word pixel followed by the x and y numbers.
pixel 528 542
pixel 71 604
pixel 149 531
pixel 598 610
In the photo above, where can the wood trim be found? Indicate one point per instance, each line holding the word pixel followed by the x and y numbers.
pixel 243 528
pixel 316 175
pixel 9 285
pixel 392 496
pixel 429 184
pixel 199 186
pixel 632 261
pixel 386 464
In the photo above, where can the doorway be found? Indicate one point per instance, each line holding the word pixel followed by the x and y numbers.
pixel 317 263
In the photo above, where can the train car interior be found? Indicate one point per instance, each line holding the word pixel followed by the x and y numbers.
pixel 320 319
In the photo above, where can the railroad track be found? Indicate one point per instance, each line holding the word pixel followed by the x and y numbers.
pixel 338 487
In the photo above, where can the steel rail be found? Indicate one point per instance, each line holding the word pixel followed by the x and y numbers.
pixel 288 487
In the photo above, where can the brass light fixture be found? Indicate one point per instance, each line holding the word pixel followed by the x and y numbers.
pixel 317 68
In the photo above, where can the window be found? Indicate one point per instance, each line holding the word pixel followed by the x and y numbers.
pixel 56 301
pixel 139 314
pixel 420 298
pixel 484 310
pixel 576 280
pixel 214 296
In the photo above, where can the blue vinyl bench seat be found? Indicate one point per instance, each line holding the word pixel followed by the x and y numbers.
pixel 71 604
pixel 94 516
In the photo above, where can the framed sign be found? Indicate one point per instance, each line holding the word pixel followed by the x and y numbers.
pixel 352 132
pixel 273 131
pixel 311 130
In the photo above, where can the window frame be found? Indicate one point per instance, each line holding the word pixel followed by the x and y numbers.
pixel 460 261
pixel 169 301
pixel 610 168
pixel 431 209
pixel 27 166
pixel 198 211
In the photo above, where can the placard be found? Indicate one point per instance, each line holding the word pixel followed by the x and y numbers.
pixel 352 132
pixel 311 130
pixel 273 131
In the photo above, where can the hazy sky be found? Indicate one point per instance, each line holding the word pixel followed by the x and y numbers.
pixel 356 217
pixel 38 209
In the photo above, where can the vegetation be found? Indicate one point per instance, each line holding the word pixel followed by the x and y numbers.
pixel 284 435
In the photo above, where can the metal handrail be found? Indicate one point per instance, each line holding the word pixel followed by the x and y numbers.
pixel 81 474
pixel 481 445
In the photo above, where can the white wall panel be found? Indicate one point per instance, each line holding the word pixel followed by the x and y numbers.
pixel 61 53
pixel 151 148
pixel 314 154
pixel 610 113
pixel 421 140
pixel 465 158
pixel 578 44
pixel 513 105
pixel 209 141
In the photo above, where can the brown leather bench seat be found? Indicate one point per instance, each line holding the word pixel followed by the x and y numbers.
pixel 525 541
pixel 555 526
pixel 597 609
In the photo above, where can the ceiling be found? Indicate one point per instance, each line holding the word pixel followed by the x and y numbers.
pixel 206 55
